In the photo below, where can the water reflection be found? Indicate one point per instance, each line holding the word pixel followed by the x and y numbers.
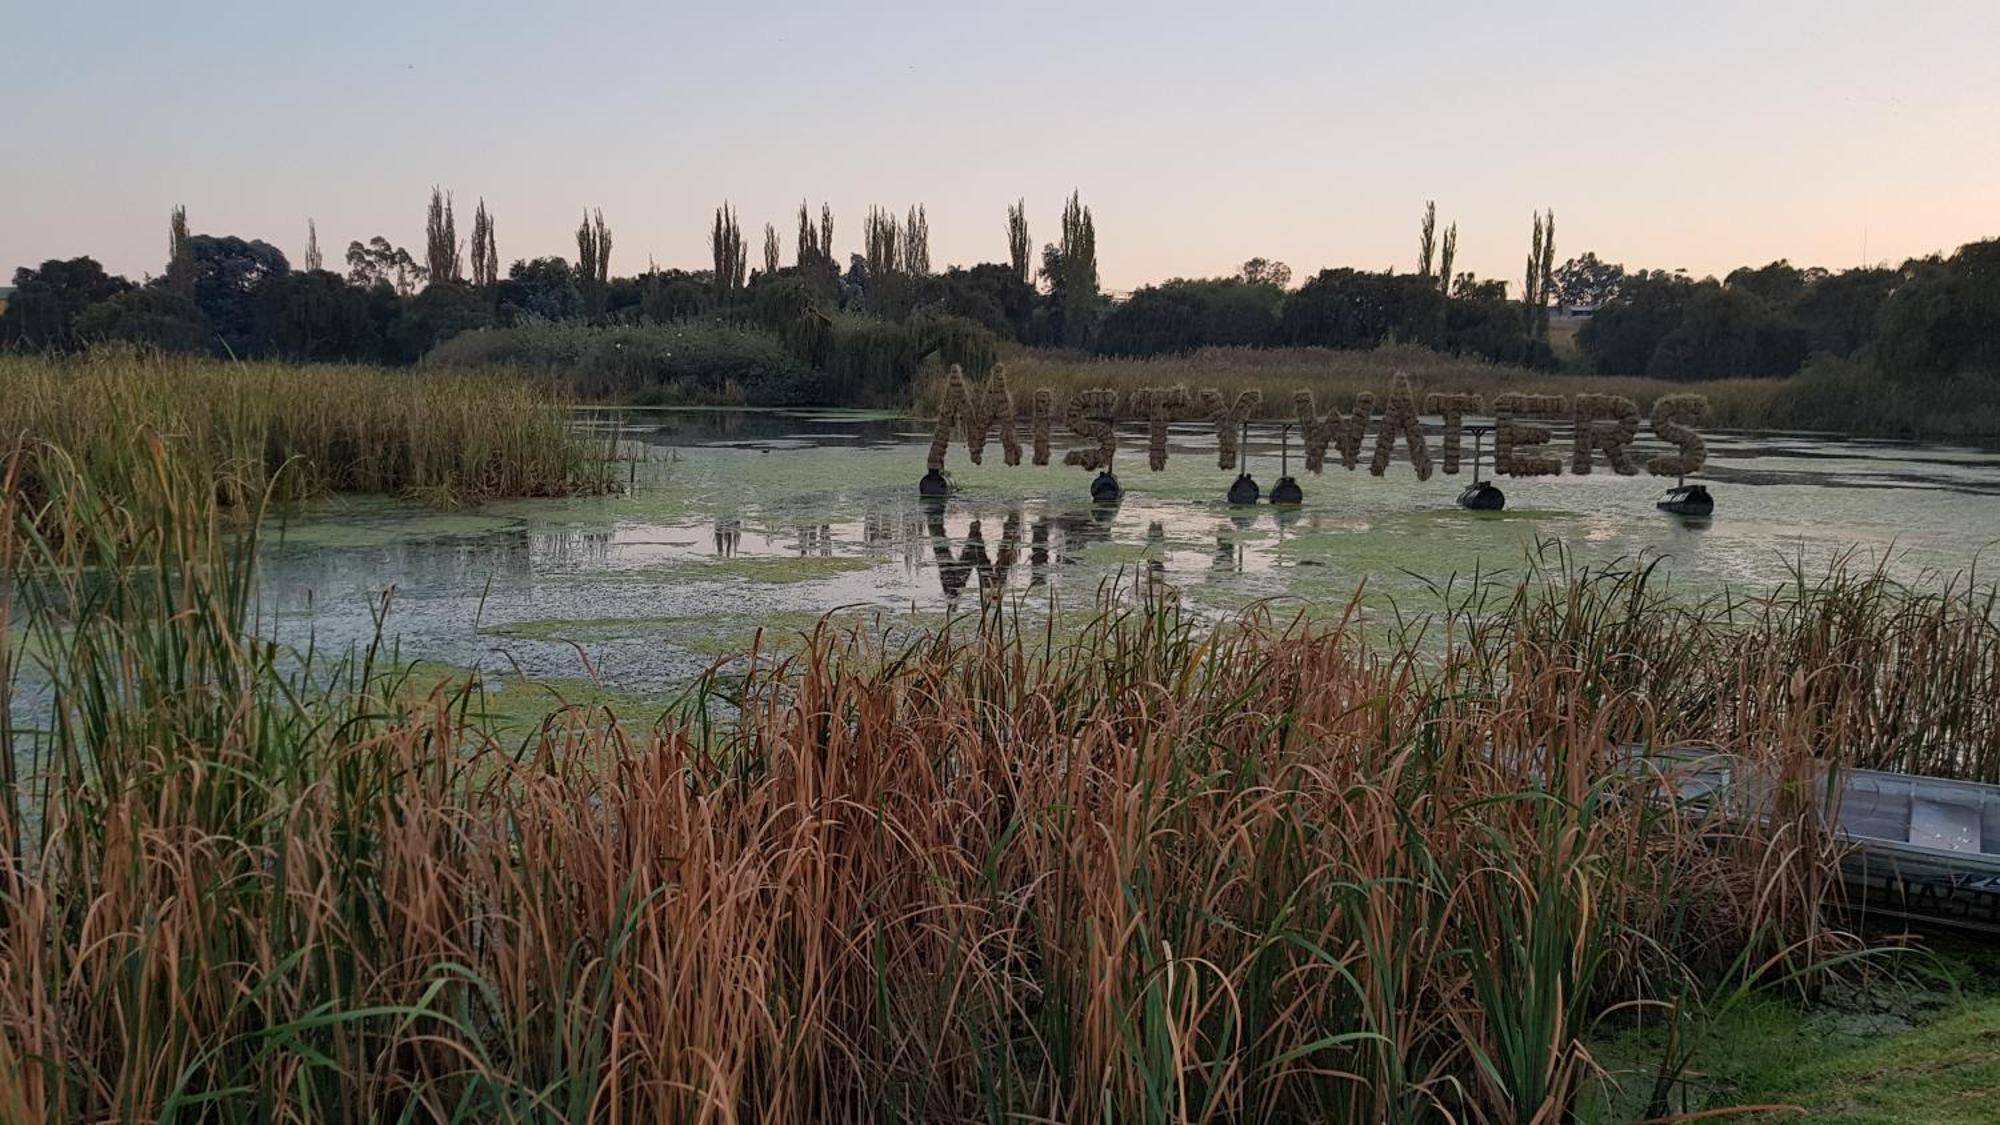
pixel 956 570
pixel 728 538
pixel 828 501
pixel 1058 538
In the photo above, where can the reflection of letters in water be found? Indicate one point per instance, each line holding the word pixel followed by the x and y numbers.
pixel 959 564
pixel 954 572
pixel 1604 426
pixel 728 537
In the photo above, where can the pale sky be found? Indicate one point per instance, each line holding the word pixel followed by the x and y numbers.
pixel 1691 135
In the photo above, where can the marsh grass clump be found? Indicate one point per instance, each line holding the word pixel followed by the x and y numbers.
pixel 1149 871
pixel 296 432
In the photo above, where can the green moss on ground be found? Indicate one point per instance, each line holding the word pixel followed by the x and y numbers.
pixel 1947 1072
pixel 1893 1051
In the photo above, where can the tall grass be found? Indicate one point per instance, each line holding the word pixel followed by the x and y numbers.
pixel 1863 669
pixel 686 362
pixel 1149 872
pixel 1334 376
pixel 297 431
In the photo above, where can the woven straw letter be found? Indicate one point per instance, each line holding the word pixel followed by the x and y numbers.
pixel 1671 418
pixel 1089 415
pixel 1454 408
pixel 1399 417
pixel 1607 422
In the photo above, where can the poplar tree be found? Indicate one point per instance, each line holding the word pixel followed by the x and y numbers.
pixel 1445 259
pixel 917 243
pixel 180 263
pixel 826 230
pixel 1541 266
pixel 313 260
pixel 1427 240
pixel 441 255
pixel 1531 285
pixel 809 250
pixel 725 246
pixel 770 249
pixel 882 245
pixel 1079 268
pixel 593 260
pixel 1017 239
pixel 485 254
pixel 1543 275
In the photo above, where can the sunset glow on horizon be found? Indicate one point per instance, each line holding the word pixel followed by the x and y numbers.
pixel 1694 136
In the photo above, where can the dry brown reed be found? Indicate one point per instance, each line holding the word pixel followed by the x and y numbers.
pixel 1149 872
pixel 310 430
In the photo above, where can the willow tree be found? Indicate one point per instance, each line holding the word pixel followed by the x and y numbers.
pixel 917 243
pixel 485 253
pixel 180 263
pixel 725 247
pixel 1427 240
pixel 1018 245
pixel 441 257
pixel 770 249
pixel 314 262
pixel 593 261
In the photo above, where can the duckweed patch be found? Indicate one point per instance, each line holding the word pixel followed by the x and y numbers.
pixel 705 635
pixel 778 570
pixel 386 528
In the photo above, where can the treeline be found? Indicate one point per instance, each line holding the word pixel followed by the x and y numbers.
pixel 778 331
pixel 1435 306
pixel 1930 317
pixel 852 331
pixel 809 326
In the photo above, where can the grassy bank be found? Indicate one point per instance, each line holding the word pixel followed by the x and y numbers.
pixel 1335 377
pixel 297 431
pixel 1145 872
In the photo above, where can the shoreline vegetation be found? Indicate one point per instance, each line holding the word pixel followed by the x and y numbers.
pixel 297 432
pixel 1148 871
pixel 1910 350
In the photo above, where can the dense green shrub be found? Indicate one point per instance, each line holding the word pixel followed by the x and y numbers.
pixel 1182 316
pixel 153 317
pixel 1945 316
pixel 1853 396
pixel 1346 308
pixel 317 315
pixel 42 314
pixel 1726 331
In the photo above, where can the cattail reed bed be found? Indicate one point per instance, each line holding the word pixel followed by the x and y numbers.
pixel 299 431
pixel 1272 871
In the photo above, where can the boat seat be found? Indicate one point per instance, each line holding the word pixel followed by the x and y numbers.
pixel 1945 824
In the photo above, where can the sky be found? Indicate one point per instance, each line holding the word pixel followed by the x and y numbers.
pixel 1697 136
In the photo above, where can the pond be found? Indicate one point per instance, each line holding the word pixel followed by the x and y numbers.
pixel 741 519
